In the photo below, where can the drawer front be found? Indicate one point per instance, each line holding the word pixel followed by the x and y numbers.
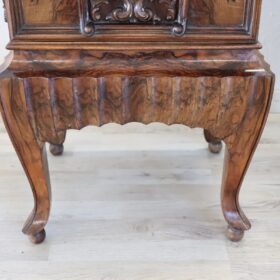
pixel 94 21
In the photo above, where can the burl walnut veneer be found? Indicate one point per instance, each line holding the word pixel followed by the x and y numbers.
pixel 75 63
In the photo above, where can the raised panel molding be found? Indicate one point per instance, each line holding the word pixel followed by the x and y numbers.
pixel 132 22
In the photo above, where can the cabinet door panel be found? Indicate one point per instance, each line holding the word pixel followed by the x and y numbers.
pixel 202 13
pixel 219 13
pixel 200 22
pixel 50 12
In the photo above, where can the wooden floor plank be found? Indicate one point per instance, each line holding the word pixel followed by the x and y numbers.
pixel 141 202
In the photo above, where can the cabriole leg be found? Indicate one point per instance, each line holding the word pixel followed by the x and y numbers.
pixel 240 147
pixel 31 153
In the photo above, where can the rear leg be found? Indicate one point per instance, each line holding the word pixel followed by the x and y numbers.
pixel 214 144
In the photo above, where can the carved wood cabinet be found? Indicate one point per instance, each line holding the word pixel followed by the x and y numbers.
pixel 75 63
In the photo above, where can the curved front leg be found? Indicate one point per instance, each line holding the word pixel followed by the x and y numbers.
pixel 235 164
pixel 240 147
pixel 31 153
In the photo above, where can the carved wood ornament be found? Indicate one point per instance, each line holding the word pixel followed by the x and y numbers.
pixel 134 11
pixel 131 68
pixel 162 12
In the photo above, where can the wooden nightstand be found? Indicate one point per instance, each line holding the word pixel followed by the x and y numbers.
pixel 90 62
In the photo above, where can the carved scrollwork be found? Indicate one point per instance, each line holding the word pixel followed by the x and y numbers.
pixel 144 14
pixel 123 13
pixel 133 10
pixel 161 12
pixel 95 10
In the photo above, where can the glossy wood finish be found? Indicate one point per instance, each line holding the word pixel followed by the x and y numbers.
pixel 134 12
pixel 45 24
pixel 31 152
pixel 223 89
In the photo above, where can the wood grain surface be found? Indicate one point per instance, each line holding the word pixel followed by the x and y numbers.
pixel 231 103
pixel 177 24
pixel 77 63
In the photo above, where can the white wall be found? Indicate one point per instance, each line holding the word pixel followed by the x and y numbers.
pixel 269 37
pixel 4 35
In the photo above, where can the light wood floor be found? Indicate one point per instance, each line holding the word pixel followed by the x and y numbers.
pixel 141 202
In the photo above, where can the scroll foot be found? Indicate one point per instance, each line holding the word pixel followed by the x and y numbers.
pixel 234 234
pixel 38 238
pixel 214 145
pixel 56 150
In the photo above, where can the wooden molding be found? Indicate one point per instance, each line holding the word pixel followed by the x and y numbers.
pixel 196 32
